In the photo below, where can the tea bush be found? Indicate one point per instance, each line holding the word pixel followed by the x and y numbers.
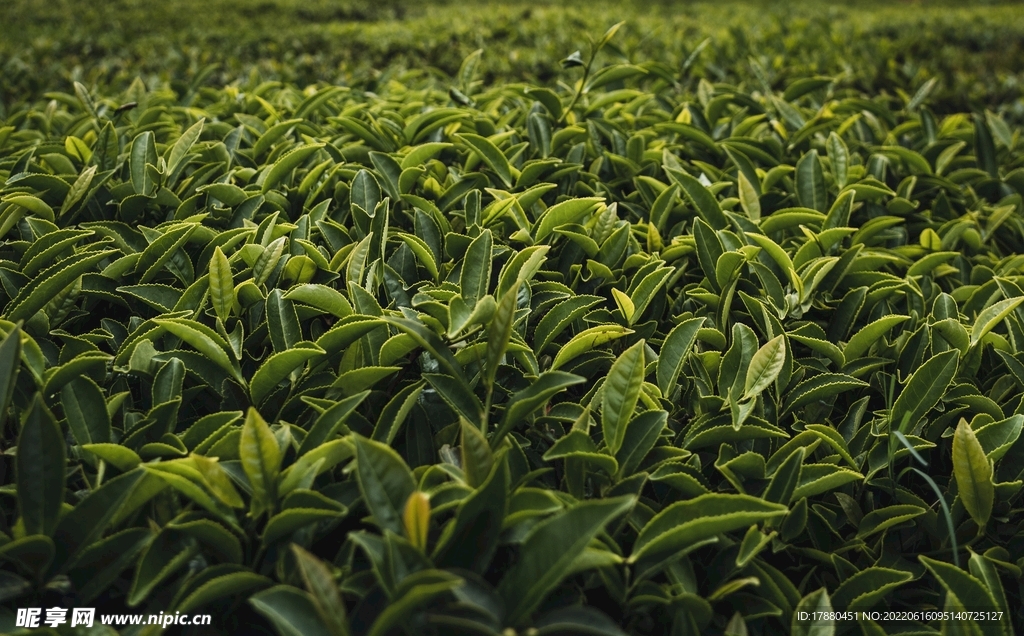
pixel 645 351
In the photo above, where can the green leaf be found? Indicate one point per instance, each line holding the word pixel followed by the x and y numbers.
pixel 33 204
pixel 785 479
pixel 282 322
pixel 142 153
pixel 10 363
pixel 865 589
pixel 586 340
pixel 422 251
pixel 291 611
pixel 810 182
pixel 549 551
pixel 475 278
pixel 818 608
pixel 477 458
pixel 491 155
pixel 183 144
pixel 346 331
pixel 780 257
pixel 644 292
pixel 887 517
pixel 162 250
pixel 641 435
pixel 523 403
pixel 673 352
pixel 322 458
pixel 620 393
pixel 870 334
pixel 521 268
pixel 559 317
pixel 87 521
pixel 687 523
pixel 992 316
pixel 820 387
pixel 423 153
pixel 499 333
pixel 427 339
pixel 395 411
pixel 982 568
pixel 40 469
pixel 121 458
pixel 478 519
pixel 228 585
pixel 973 474
pixel 288 162
pixel 330 422
pixel 414 591
pixel 261 460
pixel 222 284
pixel 765 367
pixel 104 561
pixel 33 553
pixel 816 479
pixel 86 411
pixel 321 297
pixel 268 259
pixel 205 340
pixel 216 480
pixel 42 289
pixel 78 190
pixel 839 156
pixel 985 147
pixel 384 481
pixel 749 198
pixel 189 482
pixel 168 553
pixel 324 591
pixel 568 211
pixel 967 589
pixel 278 366
pixel 458 396
pixel 700 198
pixel 923 390
pixel 287 522
pixel 753 542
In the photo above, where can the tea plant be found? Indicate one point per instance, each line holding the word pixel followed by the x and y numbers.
pixel 616 357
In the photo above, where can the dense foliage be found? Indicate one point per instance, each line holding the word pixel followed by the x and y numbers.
pixel 643 352
pixel 974 48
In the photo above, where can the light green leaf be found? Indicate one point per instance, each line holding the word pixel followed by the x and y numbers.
pixel 870 334
pixel 288 162
pixel 586 340
pixel 765 367
pixel 923 390
pixel 973 474
pixel 568 211
pixel 686 523
pixel 992 316
pixel 621 391
pixel 261 460
pixel 222 284
pixel 491 155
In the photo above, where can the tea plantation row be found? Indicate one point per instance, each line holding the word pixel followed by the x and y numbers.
pixel 644 352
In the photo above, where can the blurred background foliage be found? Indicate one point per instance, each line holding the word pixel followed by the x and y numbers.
pixel 975 49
